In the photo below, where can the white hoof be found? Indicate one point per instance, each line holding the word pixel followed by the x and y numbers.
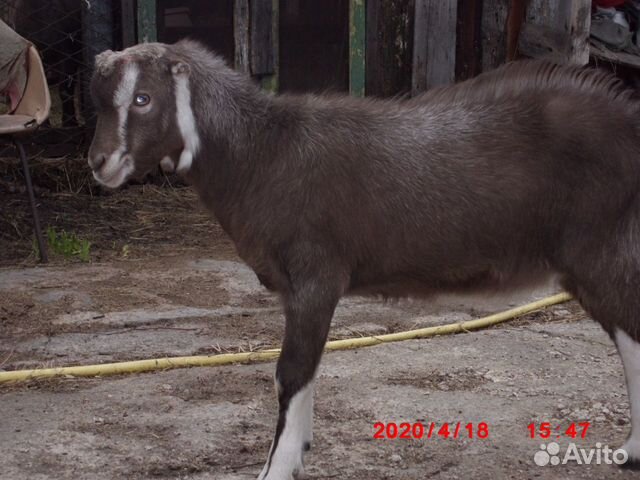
pixel 289 467
pixel 632 447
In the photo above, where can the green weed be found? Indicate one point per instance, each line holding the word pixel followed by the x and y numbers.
pixel 68 244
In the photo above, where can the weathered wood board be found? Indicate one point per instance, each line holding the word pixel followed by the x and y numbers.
pixel 434 44
pixel 557 30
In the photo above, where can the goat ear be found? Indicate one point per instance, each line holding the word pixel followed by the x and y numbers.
pixel 180 68
pixel 103 60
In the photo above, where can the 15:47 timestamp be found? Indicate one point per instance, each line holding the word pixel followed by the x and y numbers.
pixel 548 430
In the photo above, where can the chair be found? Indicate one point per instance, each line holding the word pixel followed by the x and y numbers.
pixel 31 111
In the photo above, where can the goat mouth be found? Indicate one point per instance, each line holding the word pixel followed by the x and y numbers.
pixel 117 175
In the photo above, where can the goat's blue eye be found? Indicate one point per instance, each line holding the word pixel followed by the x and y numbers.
pixel 141 100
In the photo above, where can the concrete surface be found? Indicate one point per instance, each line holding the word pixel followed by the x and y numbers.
pixel 216 423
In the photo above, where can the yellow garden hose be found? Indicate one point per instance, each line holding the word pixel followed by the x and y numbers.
pixel 137 366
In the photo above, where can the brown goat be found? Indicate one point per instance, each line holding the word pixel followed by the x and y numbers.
pixel 530 170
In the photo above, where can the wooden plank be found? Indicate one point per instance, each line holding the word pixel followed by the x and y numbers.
pixel 602 54
pixel 128 22
pixel 543 42
pixel 388 55
pixel 374 38
pixel 357 47
pixel 419 73
pixel 557 30
pixel 515 20
pixel 261 37
pixel 241 35
pixel 469 39
pixel 97 36
pixel 577 24
pixel 147 26
pixel 494 33
pixel 441 53
pixel 434 45
pixel 272 82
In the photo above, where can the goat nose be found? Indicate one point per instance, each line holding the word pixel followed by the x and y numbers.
pixel 97 160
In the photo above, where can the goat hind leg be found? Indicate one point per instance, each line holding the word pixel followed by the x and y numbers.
pixel 603 273
pixel 612 311
pixel 616 309
pixel 629 349
pixel 308 314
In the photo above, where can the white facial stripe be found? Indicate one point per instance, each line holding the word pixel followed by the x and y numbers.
pixel 630 354
pixel 186 123
pixel 119 166
pixel 116 171
pixel 123 97
pixel 298 430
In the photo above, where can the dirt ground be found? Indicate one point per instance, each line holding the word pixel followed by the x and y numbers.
pixel 164 281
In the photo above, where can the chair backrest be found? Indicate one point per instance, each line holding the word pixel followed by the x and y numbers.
pixel 36 101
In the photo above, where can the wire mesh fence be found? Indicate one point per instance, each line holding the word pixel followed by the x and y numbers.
pixel 68 34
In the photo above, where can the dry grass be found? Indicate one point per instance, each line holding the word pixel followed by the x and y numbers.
pixel 134 222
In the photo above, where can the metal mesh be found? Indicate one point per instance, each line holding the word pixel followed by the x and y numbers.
pixel 68 34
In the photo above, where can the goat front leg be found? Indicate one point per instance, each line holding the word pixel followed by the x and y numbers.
pixel 308 311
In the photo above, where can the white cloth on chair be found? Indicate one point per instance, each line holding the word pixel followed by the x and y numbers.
pixel 13 65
